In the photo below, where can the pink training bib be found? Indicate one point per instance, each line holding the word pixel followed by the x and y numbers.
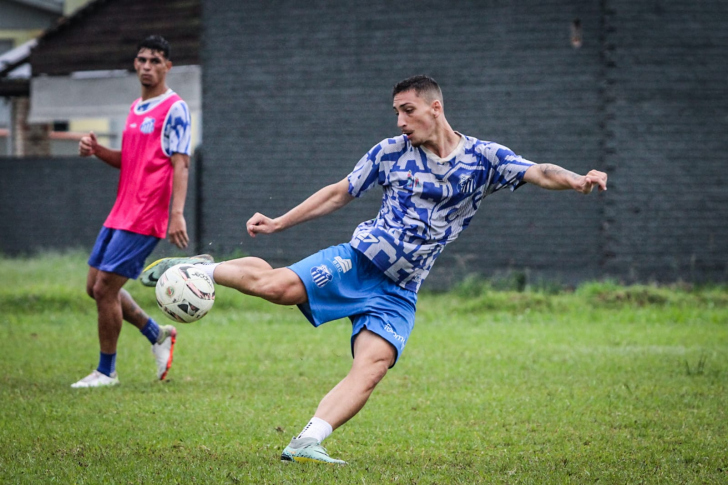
pixel 145 181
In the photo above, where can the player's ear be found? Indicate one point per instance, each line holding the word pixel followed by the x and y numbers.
pixel 436 107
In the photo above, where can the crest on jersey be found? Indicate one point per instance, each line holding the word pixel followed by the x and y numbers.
pixel 467 183
pixel 321 275
pixel 147 126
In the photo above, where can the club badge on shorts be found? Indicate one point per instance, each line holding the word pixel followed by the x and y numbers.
pixel 321 275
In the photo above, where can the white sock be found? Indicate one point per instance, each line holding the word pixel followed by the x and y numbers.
pixel 208 269
pixel 316 428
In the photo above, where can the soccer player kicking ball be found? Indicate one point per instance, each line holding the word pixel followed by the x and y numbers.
pixel 153 162
pixel 433 179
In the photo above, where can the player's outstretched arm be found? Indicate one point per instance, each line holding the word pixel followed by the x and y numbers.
pixel 89 145
pixel 553 177
pixel 325 201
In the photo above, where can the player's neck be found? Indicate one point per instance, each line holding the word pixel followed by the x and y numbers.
pixel 149 92
pixel 444 141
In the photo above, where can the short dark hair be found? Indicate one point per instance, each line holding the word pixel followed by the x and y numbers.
pixel 423 86
pixel 155 43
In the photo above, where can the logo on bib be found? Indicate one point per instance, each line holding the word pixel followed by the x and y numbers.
pixel 321 275
pixel 147 126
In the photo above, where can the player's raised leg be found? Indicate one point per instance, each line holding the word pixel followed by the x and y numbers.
pixel 255 277
pixel 252 276
pixel 162 337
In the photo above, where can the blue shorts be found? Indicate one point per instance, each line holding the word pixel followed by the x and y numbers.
pixel 341 282
pixel 121 252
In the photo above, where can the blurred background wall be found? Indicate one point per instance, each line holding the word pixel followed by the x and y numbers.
pixel 294 94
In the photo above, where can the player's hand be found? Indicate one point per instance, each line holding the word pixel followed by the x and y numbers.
pixel 260 224
pixel 88 144
pixel 590 180
pixel 177 232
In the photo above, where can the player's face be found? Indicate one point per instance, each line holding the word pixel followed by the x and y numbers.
pixel 415 117
pixel 151 67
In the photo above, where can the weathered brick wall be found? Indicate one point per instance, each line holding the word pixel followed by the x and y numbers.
pixel 61 203
pixel 49 204
pixel 295 95
pixel 667 209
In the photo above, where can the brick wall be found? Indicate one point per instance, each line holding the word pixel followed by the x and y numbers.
pixel 667 210
pixel 294 94
pixel 61 203
pixel 48 204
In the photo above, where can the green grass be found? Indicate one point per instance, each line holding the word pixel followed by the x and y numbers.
pixel 604 384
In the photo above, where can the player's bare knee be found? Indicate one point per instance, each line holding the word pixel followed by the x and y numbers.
pixel 375 374
pixel 379 370
pixel 101 290
pixel 371 371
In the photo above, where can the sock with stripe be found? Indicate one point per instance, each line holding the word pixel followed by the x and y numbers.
pixel 151 331
pixel 316 428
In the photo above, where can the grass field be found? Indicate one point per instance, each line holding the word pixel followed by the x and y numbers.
pixel 605 384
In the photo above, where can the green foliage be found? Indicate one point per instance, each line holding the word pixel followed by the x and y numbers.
pixel 498 384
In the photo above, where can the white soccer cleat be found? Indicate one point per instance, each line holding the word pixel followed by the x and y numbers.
pixel 163 350
pixel 97 379
pixel 308 450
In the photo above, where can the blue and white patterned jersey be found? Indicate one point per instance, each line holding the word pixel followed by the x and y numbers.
pixel 427 200
pixel 176 135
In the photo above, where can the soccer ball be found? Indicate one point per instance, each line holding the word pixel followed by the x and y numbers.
pixel 184 293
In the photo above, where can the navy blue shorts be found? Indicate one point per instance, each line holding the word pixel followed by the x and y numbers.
pixel 121 252
pixel 341 282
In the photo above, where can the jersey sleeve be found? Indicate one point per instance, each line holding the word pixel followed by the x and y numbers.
pixel 508 168
pixel 367 172
pixel 176 134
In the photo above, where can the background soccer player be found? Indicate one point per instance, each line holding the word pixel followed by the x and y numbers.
pixel 434 180
pixel 153 162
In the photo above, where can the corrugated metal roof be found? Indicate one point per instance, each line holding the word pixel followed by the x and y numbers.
pixel 55 6
pixel 15 60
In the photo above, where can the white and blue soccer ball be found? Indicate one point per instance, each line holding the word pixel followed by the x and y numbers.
pixel 184 293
